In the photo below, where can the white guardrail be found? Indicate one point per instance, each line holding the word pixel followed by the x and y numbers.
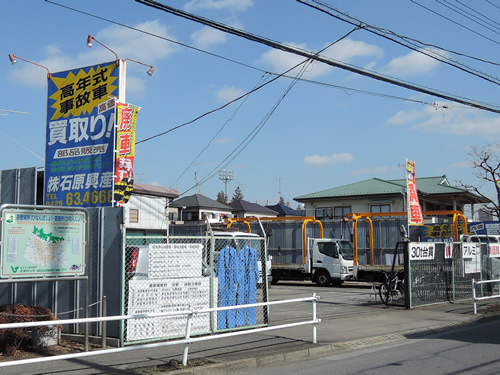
pixel 186 341
pixel 475 299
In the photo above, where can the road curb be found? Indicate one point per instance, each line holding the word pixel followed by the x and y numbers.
pixel 322 350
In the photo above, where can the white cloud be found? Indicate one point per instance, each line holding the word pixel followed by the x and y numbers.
pixel 327 160
pixel 462 164
pixel 53 49
pixel 125 42
pixel 136 45
pixel 370 171
pixel 207 37
pixel 136 85
pixel 238 5
pixel 345 50
pixel 448 118
pixel 412 64
pixel 227 93
pixel 281 61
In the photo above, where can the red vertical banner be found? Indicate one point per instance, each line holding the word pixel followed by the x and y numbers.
pixel 126 121
pixel 414 211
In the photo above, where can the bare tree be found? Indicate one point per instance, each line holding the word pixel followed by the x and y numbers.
pixel 486 164
pixel 282 202
pixel 221 197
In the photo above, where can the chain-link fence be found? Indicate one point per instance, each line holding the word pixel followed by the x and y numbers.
pixel 448 276
pixel 166 274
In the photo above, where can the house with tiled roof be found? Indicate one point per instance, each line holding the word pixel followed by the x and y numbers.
pixel 284 211
pixel 148 207
pixel 377 195
pixel 198 207
pixel 242 208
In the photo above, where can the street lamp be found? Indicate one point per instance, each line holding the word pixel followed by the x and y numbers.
pixel 151 68
pixel 226 176
pixel 89 44
pixel 13 61
pixel 90 38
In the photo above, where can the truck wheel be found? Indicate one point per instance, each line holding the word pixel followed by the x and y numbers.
pixel 323 278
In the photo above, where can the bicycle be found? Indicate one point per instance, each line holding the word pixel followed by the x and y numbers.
pixel 392 289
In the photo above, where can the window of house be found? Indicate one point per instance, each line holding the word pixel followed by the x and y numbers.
pixel 340 212
pixel 134 215
pixel 377 208
pixel 432 207
pixel 172 216
pixel 323 213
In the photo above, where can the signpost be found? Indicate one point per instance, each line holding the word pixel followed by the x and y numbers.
pixel 41 242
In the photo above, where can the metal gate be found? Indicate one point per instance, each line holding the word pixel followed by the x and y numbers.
pixel 164 274
pixel 448 275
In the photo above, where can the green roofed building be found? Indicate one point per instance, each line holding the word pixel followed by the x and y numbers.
pixel 377 195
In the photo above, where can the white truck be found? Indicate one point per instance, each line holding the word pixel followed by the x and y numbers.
pixel 325 261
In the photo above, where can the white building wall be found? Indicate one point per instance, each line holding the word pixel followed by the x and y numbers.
pixel 152 212
pixel 357 205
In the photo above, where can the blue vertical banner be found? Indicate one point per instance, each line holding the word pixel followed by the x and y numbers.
pixel 80 136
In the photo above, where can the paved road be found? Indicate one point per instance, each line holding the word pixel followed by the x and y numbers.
pixel 472 349
pixel 351 319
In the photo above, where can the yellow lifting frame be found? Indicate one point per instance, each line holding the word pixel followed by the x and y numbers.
pixel 305 221
pixel 366 216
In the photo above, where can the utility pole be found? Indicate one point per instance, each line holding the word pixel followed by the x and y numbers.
pixel 279 183
pixel 197 184
pixel 226 176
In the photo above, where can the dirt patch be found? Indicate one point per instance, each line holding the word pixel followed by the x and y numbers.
pixel 27 351
pixel 490 309
pixel 175 365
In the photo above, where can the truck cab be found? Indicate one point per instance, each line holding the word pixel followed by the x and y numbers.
pixel 330 261
pixel 483 238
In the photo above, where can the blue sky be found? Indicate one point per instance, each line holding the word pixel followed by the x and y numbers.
pixel 332 127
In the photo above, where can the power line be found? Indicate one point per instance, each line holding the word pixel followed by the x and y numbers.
pixel 243 145
pixel 496 6
pixel 253 67
pixel 12 111
pixel 465 14
pixel 215 135
pixel 479 13
pixel 307 54
pixel 410 43
pixel 456 23
pixel 153 35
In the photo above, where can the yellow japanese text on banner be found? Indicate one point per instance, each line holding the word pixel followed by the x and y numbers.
pixel 125 150
pixel 414 211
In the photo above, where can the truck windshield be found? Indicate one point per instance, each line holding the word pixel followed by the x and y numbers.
pixel 346 250
pixel 484 239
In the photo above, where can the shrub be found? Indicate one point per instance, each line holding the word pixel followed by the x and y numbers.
pixel 12 338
